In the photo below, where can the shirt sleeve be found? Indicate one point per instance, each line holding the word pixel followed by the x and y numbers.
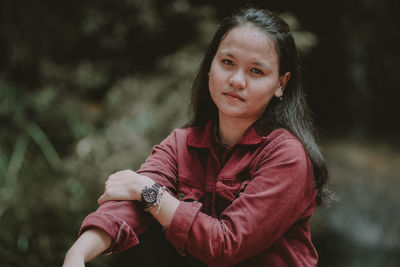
pixel 124 221
pixel 279 192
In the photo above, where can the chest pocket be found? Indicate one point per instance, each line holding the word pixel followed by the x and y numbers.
pixel 230 188
pixel 189 189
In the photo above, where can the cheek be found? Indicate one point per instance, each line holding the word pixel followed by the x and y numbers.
pixel 210 84
pixel 263 97
pixel 212 81
pixel 264 105
pixel 212 90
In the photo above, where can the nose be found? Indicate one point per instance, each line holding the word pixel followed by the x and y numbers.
pixel 237 80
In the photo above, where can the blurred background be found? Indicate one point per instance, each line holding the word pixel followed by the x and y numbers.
pixel 88 87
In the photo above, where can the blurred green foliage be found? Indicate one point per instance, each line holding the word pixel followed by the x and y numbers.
pixel 100 86
pixel 87 88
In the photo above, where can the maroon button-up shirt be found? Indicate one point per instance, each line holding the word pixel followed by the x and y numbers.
pixel 252 211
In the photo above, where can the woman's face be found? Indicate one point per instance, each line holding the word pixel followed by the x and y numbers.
pixel 244 74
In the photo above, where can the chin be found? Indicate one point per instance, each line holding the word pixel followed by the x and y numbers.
pixel 235 115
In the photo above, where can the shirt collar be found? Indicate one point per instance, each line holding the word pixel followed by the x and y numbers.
pixel 202 137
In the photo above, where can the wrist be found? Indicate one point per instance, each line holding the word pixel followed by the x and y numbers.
pixel 151 196
pixel 143 182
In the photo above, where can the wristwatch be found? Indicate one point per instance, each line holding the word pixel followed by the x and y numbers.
pixel 149 195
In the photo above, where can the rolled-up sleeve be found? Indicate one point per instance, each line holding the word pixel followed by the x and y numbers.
pixel 123 221
pixel 280 191
pixel 181 223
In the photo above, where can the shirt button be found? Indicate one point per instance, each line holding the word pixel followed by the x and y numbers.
pixel 180 196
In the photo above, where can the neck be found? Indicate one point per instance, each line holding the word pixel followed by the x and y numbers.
pixel 232 129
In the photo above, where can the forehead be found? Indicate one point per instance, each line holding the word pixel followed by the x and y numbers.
pixel 249 39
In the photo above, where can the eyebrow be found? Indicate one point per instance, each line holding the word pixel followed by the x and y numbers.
pixel 260 64
pixel 257 63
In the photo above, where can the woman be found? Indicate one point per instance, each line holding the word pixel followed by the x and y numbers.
pixel 240 185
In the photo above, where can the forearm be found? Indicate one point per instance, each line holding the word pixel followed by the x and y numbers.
pixel 89 245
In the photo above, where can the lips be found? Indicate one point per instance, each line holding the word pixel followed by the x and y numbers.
pixel 234 95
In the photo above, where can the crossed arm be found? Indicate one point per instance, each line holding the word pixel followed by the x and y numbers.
pixel 123 185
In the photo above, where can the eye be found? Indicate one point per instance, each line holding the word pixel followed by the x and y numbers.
pixel 228 62
pixel 257 71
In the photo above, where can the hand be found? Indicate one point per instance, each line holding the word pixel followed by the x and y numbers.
pixel 124 185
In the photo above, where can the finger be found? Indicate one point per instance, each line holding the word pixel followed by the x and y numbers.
pixel 101 199
pixel 113 175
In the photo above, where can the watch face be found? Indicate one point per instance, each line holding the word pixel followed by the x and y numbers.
pixel 149 194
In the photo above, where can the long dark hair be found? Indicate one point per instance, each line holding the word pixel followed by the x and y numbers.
pixel 291 113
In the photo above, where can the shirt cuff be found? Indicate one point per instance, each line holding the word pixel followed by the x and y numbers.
pixel 181 223
pixel 122 235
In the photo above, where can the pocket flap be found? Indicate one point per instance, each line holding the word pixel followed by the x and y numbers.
pixel 189 189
